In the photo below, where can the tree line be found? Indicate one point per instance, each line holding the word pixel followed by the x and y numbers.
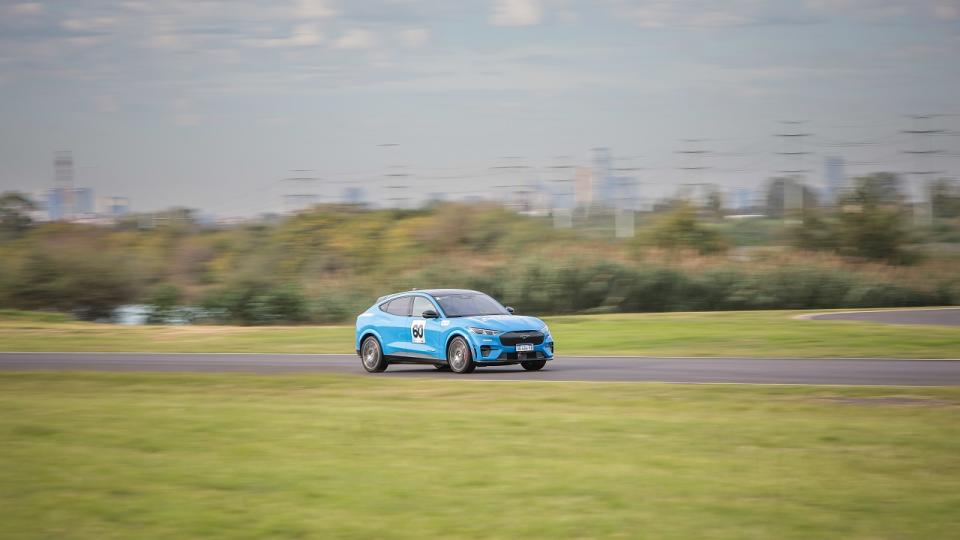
pixel 330 262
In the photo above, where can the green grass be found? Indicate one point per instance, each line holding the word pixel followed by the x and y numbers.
pixel 105 456
pixel 748 333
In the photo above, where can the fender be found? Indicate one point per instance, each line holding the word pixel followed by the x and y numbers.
pixel 368 331
pixel 458 332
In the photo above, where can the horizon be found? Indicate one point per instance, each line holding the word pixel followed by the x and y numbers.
pixel 211 106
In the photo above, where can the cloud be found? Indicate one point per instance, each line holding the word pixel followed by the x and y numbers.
pixel 888 10
pixel 27 8
pixel 516 12
pixel 304 35
pixel 732 13
pixel 187 119
pixel 947 11
pixel 107 104
pixel 355 39
pixel 414 37
pixel 314 9
pixel 91 24
pixel 708 14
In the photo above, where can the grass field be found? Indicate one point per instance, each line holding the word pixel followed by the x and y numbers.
pixel 752 334
pixel 232 456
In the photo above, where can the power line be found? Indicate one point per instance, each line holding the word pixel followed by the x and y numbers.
pixel 923 153
pixel 793 149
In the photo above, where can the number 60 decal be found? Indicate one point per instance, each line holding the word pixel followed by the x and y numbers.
pixel 417 329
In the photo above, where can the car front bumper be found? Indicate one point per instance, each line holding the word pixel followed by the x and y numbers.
pixel 492 352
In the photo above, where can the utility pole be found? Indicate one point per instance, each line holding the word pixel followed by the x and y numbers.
pixel 923 153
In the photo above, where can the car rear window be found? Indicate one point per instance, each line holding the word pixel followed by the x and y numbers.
pixel 398 306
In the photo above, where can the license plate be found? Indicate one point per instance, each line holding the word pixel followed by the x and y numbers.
pixel 524 347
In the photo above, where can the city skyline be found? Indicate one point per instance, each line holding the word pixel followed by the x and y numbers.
pixel 201 105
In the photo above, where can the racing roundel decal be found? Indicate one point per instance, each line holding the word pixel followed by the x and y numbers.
pixel 417 328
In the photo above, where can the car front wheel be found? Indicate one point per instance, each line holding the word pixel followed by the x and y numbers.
pixel 459 357
pixel 372 356
pixel 533 365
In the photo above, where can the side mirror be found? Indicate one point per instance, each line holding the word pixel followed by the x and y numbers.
pixel 510 309
pixel 430 314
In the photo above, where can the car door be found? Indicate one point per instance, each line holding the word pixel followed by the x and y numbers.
pixel 423 332
pixel 396 327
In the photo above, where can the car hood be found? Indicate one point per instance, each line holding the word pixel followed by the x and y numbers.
pixel 503 323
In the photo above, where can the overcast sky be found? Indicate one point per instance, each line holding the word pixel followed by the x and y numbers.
pixel 210 104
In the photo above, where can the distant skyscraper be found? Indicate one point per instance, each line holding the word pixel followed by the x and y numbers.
pixel 604 183
pixel 54 205
pixel 68 203
pixel 83 202
pixel 743 198
pixel 353 195
pixel 113 207
pixel 63 202
pixel 836 177
pixel 583 187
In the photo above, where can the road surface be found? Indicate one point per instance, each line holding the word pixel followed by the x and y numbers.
pixel 564 368
pixel 937 316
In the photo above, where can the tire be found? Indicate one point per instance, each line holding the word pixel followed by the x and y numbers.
pixel 533 365
pixel 459 356
pixel 371 355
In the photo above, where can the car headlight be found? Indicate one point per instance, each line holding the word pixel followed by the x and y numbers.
pixel 483 331
pixel 545 330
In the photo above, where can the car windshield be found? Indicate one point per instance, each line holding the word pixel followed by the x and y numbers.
pixel 470 305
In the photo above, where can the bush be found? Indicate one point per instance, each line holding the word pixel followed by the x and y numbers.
pixel 163 300
pixel 90 286
pixel 680 229
pixel 257 303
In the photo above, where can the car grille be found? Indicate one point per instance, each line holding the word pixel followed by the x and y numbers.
pixel 530 336
pixel 507 356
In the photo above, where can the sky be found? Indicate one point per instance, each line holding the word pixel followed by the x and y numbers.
pixel 212 104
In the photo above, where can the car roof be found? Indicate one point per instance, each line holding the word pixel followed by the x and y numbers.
pixel 429 292
pixel 447 292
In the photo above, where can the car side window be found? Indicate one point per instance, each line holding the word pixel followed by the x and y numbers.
pixel 399 306
pixel 421 304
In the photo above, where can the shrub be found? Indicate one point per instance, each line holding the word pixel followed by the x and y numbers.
pixel 250 302
pixel 163 300
pixel 88 285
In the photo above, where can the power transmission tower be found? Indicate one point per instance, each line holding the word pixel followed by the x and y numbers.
pixel 300 190
pixel 626 196
pixel 695 164
pixel 64 192
pixel 561 173
pixel 794 160
pixel 923 153
pixel 511 193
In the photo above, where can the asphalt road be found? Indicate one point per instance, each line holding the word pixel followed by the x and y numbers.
pixel 939 316
pixel 564 368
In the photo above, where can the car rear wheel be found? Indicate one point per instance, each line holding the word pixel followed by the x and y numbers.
pixel 372 356
pixel 459 357
pixel 533 365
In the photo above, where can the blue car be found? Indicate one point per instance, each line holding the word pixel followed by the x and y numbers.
pixel 449 328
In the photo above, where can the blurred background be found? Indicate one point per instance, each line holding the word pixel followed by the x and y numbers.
pixel 288 162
